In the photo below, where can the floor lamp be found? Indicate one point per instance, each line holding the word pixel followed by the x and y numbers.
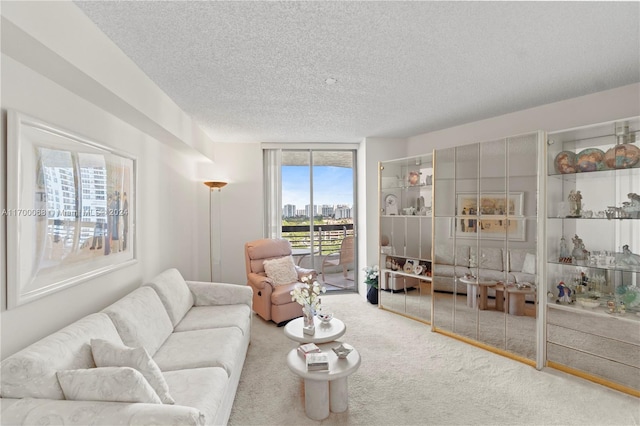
pixel 212 185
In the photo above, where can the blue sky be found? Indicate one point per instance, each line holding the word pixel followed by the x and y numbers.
pixel 332 185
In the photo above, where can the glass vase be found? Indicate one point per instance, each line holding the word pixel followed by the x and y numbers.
pixel 307 314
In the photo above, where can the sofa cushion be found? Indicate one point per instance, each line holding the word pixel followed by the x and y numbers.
pixel 201 388
pixel 492 274
pixel 174 294
pixel 522 277
pixel 218 347
pixel 116 384
pixel 208 294
pixel 282 271
pixel 107 354
pixel 141 319
pixel 516 258
pixel 529 265
pixel 203 317
pixel 490 258
pixel 444 255
pixel 31 373
pixel 35 411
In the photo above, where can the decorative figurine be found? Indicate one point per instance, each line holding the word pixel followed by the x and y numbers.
pixel 565 256
pixel 628 258
pixel 579 253
pixel 632 208
pixel 575 204
pixel 564 293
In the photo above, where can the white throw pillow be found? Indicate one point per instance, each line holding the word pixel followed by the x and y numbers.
pixel 282 271
pixel 529 265
pixel 108 354
pixel 112 384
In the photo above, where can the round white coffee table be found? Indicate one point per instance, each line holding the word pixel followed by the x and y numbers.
pixel 325 391
pixel 473 284
pixel 324 332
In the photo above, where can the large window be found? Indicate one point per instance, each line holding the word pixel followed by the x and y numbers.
pixel 310 202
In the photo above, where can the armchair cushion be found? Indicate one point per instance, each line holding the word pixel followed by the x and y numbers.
pixel 117 384
pixel 282 294
pixel 282 271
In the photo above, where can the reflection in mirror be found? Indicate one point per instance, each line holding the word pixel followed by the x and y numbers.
pixel 494 206
pixel 486 208
pixel 444 271
pixel 467 224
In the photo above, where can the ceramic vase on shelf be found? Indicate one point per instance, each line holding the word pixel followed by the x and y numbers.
pixel 307 314
pixel 624 154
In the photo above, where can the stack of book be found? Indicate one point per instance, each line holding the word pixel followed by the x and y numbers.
pixel 308 348
pixel 317 362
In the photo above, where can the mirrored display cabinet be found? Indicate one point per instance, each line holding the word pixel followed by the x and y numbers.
pixel 485 272
pixel 405 203
pixel 593 252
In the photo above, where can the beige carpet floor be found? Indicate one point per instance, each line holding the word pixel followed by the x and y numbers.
pixel 412 376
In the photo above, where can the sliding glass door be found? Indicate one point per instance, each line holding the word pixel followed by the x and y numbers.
pixel 315 190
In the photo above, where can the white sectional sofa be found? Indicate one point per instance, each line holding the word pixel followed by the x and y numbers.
pixel 196 333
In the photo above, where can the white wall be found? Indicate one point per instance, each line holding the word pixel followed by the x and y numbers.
pixel 65 72
pixel 166 191
pixel 242 205
pixel 622 102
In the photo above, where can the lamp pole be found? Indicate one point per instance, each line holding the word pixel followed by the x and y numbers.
pixel 212 185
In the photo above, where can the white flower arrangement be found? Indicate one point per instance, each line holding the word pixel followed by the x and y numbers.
pixel 308 294
pixel 371 274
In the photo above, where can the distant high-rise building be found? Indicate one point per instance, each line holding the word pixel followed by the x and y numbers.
pixel 327 211
pixel 309 212
pixel 343 212
pixel 289 210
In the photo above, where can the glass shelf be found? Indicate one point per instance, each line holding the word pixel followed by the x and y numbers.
pixel 631 315
pixel 600 267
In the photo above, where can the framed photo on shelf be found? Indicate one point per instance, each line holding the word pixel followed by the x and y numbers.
pixel 487 216
pixel 70 212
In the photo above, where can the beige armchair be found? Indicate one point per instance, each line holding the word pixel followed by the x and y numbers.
pixel 271 302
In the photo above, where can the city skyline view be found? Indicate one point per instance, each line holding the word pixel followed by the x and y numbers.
pixel 332 186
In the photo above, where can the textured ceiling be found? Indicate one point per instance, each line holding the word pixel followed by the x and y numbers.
pixel 256 71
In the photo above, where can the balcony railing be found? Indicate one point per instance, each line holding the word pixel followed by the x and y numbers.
pixel 326 238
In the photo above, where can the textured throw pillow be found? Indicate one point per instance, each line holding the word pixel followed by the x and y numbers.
pixel 112 384
pixel 281 271
pixel 108 354
pixel 529 265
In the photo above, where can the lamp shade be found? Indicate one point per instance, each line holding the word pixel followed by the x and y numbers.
pixel 215 184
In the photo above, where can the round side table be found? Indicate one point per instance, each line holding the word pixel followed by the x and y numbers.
pixel 325 391
pixel 473 284
pixel 324 332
